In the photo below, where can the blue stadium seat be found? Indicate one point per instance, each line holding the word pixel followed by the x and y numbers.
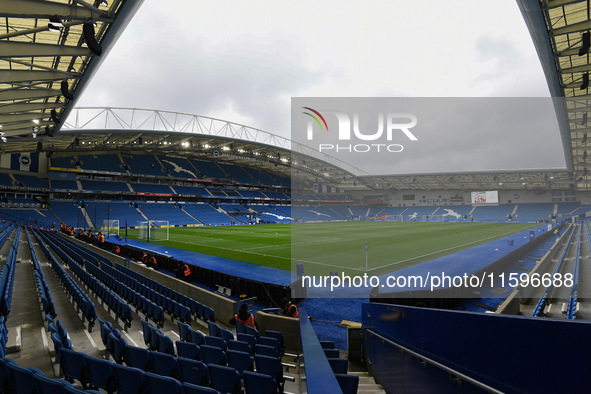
pixel 240 346
pixel 146 330
pixel 266 350
pixel 162 384
pixel 252 331
pixel 193 371
pixel 73 366
pixel 270 366
pixel 129 380
pixel 213 355
pixel 327 344
pixel 117 346
pixel 214 329
pixel 184 331
pixel 188 350
pixel 194 389
pixel 225 379
pixel 216 341
pixel 22 380
pixel 138 357
pixel 339 365
pixel 100 374
pixel 250 339
pixel 277 335
pixel 197 337
pixel 163 364
pixel 348 383
pixel 226 335
pixel 165 343
pixel 257 383
pixel 332 353
pixel 273 342
pixel 47 385
pixel 240 361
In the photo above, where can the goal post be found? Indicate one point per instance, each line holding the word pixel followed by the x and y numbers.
pixel 153 230
pixel 110 227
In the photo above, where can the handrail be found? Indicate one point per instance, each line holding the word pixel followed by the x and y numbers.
pixel 438 364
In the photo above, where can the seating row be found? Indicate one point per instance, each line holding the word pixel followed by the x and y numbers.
pixel 78 296
pixel 224 377
pixel 198 309
pixel 7 275
pixel 43 289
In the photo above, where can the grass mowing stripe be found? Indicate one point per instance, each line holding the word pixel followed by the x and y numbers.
pixel 338 245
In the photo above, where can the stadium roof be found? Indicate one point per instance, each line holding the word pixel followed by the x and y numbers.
pixel 49 51
pixel 561 33
pixel 48 60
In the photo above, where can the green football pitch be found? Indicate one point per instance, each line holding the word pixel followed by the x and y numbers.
pixel 339 246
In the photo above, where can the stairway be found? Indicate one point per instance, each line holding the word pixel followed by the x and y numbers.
pixel 367 384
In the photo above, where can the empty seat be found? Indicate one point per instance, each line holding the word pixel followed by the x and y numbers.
pixel 117 346
pixel 332 353
pixel 250 339
pixel 197 337
pixel 240 361
pixel 240 346
pixel 273 342
pixel 129 380
pixel 146 330
pixel 47 385
pixel 73 366
pixel 257 383
pixel 213 355
pixel 214 329
pixel 215 341
pixel 184 332
pixel 327 344
pixel 266 350
pixel 22 380
pixel 195 389
pixel 138 357
pixel 225 379
pixel 226 335
pixel 252 331
pixel 339 365
pixel 193 371
pixel 165 344
pixel 188 350
pixel 277 335
pixel 162 384
pixel 270 366
pixel 163 364
pixel 348 383
pixel 100 374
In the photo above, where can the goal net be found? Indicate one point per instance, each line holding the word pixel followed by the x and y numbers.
pixel 110 227
pixel 153 230
pixel 434 218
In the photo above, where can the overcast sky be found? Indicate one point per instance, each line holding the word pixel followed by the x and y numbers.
pixel 243 61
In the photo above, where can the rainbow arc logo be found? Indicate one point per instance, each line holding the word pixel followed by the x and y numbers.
pixel 313 116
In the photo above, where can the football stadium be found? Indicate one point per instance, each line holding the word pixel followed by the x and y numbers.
pixel 130 235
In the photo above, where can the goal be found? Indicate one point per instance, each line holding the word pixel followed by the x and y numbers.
pixel 110 227
pixel 153 230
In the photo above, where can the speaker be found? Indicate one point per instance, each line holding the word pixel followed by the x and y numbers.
pixel 585 44
pixel 66 90
pixel 54 117
pixel 585 83
pixel 91 42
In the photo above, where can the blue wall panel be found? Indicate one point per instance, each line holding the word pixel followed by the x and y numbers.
pixel 509 353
